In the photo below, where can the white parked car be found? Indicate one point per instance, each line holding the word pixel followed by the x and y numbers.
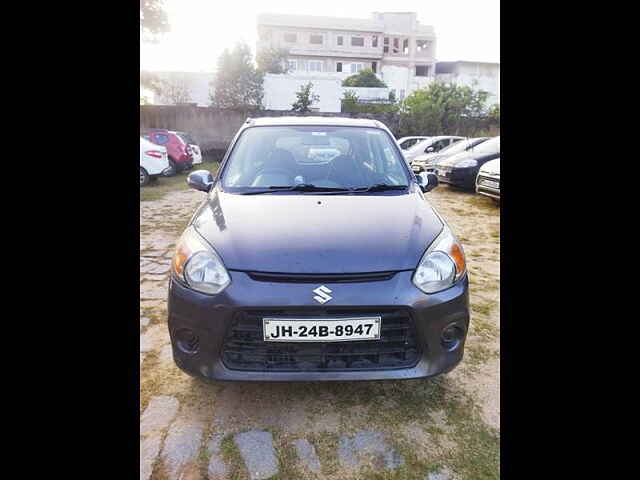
pixel 430 145
pixel 196 154
pixel 407 142
pixel 425 161
pixel 488 180
pixel 153 161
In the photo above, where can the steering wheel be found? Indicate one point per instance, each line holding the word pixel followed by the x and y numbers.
pixel 271 171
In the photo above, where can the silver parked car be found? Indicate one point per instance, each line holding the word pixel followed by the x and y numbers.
pixel 425 162
pixel 488 180
pixel 430 145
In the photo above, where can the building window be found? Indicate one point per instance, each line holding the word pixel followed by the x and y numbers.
pixel 405 46
pixel 290 37
pixel 315 39
pixel 340 40
pixel 396 46
pixel 292 65
pixel 422 70
pixel 386 45
pixel 374 67
pixel 338 66
pixel 356 67
pixel 315 65
pixel 374 41
pixel 357 41
pixel 422 45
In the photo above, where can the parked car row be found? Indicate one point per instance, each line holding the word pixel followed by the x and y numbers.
pixel 165 152
pixel 459 162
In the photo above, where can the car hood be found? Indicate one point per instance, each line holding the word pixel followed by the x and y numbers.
pixel 492 167
pixel 318 233
pixel 452 160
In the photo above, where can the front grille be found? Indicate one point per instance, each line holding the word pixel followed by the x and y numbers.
pixel 482 181
pixel 245 349
pixel 320 277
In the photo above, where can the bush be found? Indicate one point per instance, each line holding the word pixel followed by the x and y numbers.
pixel 444 109
pixel 365 78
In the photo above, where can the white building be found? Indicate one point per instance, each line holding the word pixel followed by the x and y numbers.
pixel 399 49
pixel 479 75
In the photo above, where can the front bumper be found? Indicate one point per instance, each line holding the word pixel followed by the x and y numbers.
pixel 458 177
pixel 490 191
pixel 211 317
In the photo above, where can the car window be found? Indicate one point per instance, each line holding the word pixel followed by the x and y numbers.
pixel 409 143
pixel 338 157
pixel 438 145
pixel 161 138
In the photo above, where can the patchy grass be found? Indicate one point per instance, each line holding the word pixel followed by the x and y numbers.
pixel 231 456
pixel 158 189
pixel 481 308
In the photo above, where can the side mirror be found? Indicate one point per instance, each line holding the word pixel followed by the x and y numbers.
pixel 427 181
pixel 201 180
pixel 429 149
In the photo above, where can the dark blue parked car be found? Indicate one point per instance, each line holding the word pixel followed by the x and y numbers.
pixel 303 266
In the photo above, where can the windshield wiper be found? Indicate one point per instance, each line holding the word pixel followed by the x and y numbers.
pixel 379 187
pixel 301 187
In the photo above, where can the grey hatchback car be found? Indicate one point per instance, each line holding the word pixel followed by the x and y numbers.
pixel 315 256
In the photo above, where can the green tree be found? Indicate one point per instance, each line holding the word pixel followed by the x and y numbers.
pixel 237 84
pixel 305 99
pixel 175 91
pixel 151 81
pixel 153 19
pixel 364 78
pixel 272 60
pixel 443 109
pixel 349 101
pixel 494 114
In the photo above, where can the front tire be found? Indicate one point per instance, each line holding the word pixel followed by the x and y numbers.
pixel 144 177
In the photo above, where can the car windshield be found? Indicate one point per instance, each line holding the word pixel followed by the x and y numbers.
pixel 331 158
pixel 490 146
pixel 461 146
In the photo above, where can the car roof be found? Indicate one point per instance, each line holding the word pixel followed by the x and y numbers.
pixel 323 121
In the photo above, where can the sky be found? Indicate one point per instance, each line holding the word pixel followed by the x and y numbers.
pixel 202 29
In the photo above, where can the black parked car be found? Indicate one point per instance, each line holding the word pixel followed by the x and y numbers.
pixel 295 269
pixel 461 169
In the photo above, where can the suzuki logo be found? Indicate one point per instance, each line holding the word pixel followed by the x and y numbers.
pixel 322 294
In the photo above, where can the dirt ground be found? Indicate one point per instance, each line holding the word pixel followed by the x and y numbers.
pixel 444 428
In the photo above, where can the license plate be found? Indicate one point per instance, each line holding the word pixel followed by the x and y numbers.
pixel 321 330
pixel 490 183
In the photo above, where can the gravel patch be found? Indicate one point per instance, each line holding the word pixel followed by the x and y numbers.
pixel 307 455
pixel 256 448
pixel 159 414
pixel 149 448
pixel 181 447
pixel 217 469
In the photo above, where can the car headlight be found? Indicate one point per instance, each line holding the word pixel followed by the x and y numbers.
pixel 467 163
pixel 198 266
pixel 441 265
